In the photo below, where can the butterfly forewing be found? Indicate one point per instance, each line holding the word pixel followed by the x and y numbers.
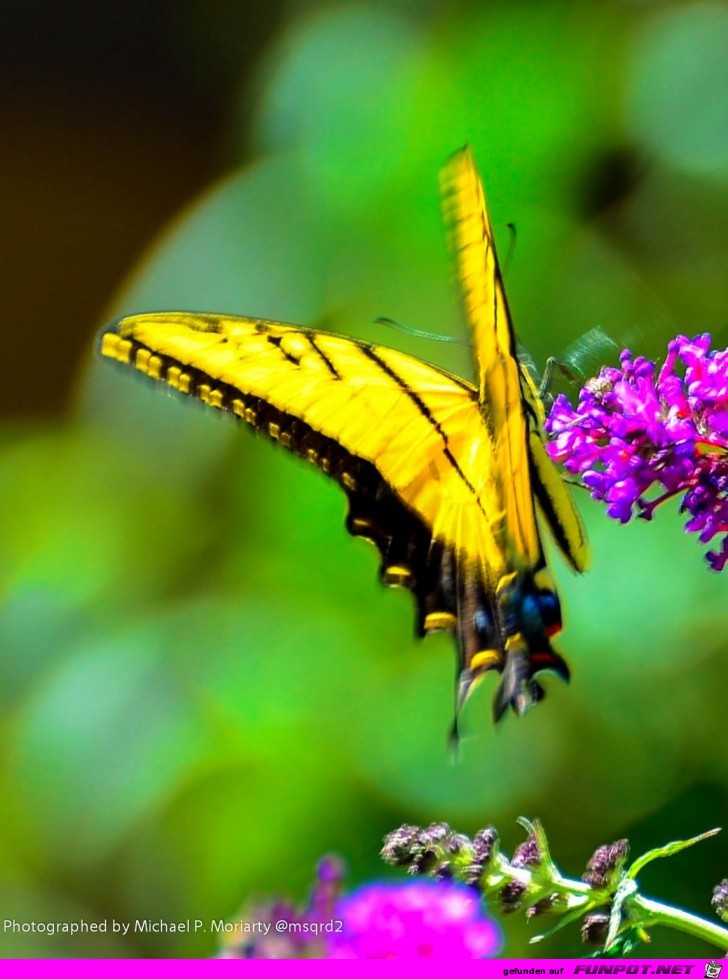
pixel 405 440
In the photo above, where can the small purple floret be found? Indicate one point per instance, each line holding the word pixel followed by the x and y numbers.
pixel 639 436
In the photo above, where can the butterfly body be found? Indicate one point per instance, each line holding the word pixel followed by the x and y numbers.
pixel 440 474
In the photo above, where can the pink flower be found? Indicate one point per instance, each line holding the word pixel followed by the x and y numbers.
pixel 419 919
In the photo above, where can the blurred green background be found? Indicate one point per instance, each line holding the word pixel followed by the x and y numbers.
pixel 203 687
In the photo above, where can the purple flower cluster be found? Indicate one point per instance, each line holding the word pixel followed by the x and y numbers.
pixel 640 436
pixel 416 919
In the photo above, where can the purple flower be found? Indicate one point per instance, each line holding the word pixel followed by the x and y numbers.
pixel 415 920
pixel 639 436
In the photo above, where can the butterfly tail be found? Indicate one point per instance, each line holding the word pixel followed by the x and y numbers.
pixel 519 689
pixel 531 615
pixel 508 630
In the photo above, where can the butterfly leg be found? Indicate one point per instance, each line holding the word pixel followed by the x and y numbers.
pixel 553 364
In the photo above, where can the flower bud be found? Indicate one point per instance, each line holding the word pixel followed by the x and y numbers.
pixel 511 895
pixel 528 854
pixel 545 906
pixel 485 844
pixel 594 928
pixel 606 864
pixel 720 900
pixel 401 845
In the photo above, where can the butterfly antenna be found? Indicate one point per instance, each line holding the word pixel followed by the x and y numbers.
pixel 422 334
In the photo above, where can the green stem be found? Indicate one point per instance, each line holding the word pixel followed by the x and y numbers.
pixel 656 913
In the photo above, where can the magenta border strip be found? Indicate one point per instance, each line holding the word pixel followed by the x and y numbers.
pixel 501 968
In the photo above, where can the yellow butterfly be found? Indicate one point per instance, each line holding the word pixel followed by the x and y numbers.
pixel 441 475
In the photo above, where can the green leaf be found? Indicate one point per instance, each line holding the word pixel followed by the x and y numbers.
pixel 667 851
